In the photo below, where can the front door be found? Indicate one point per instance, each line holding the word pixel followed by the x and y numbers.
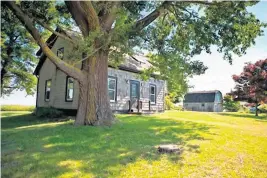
pixel 134 94
pixel 135 90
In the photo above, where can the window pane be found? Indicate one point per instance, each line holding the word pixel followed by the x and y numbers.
pixel 47 89
pixel 152 98
pixel 70 94
pixel 48 84
pixel 70 83
pixel 152 89
pixel 111 83
pixel 111 94
pixel 70 88
pixel 112 88
pixel 60 53
pixel 47 96
pixel 134 90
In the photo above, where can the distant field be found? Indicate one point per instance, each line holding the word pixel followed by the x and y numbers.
pixel 215 145
pixel 17 108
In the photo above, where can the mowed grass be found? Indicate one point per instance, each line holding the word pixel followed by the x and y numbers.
pixel 214 145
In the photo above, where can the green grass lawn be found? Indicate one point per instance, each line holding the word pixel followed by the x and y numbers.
pixel 215 145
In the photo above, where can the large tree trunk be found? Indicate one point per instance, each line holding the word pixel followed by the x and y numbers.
pixel 94 107
pixel 83 95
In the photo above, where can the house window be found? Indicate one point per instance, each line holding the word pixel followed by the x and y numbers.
pixel 69 89
pixel 47 89
pixel 112 88
pixel 152 94
pixel 60 53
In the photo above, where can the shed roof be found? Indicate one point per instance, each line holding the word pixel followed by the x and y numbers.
pixel 200 96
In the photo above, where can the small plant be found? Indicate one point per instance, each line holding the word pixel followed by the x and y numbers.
pixel 17 108
pixel 48 113
pixel 168 103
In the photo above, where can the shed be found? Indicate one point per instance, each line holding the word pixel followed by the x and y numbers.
pixel 206 101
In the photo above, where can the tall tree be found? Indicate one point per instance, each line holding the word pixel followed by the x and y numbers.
pixel 17 55
pixel 251 84
pixel 18 46
pixel 172 30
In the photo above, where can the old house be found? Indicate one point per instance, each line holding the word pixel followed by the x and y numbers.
pixel 206 101
pixel 127 92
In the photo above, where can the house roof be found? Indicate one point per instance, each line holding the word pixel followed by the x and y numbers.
pixel 135 63
pixel 200 96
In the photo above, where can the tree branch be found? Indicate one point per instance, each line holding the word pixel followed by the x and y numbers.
pixel 55 32
pixel 109 18
pixel 140 24
pixel 65 67
pixel 90 14
pixel 74 8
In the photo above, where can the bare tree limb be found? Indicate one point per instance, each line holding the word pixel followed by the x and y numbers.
pixel 65 67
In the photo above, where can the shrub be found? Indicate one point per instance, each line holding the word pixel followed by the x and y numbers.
pixel 263 108
pixel 168 103
pixel 243 109
pixel 17 108
pixel 48 113
pixel 230 105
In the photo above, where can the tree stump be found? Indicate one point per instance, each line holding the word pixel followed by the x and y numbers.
pixel 169 149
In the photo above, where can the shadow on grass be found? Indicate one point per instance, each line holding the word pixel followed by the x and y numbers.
pixel 261 117
pixel 12 121
pixel 65 150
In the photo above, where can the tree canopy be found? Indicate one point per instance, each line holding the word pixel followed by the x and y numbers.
pixel 172 31
pixel 17 55
pixel 251 84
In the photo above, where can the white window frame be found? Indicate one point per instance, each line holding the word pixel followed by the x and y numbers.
pixel 111 89
pixel 67 89
pixel 155 90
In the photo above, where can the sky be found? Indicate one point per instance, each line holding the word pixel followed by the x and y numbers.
pixel 218 76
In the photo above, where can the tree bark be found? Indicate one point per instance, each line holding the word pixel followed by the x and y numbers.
pixel 81 112
pixel 256 112
pixel 98 109
pixel 94 107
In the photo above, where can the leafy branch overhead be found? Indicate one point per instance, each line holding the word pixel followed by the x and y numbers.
pixel 184 28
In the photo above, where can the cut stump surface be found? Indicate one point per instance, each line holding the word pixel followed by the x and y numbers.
pixel 169 149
